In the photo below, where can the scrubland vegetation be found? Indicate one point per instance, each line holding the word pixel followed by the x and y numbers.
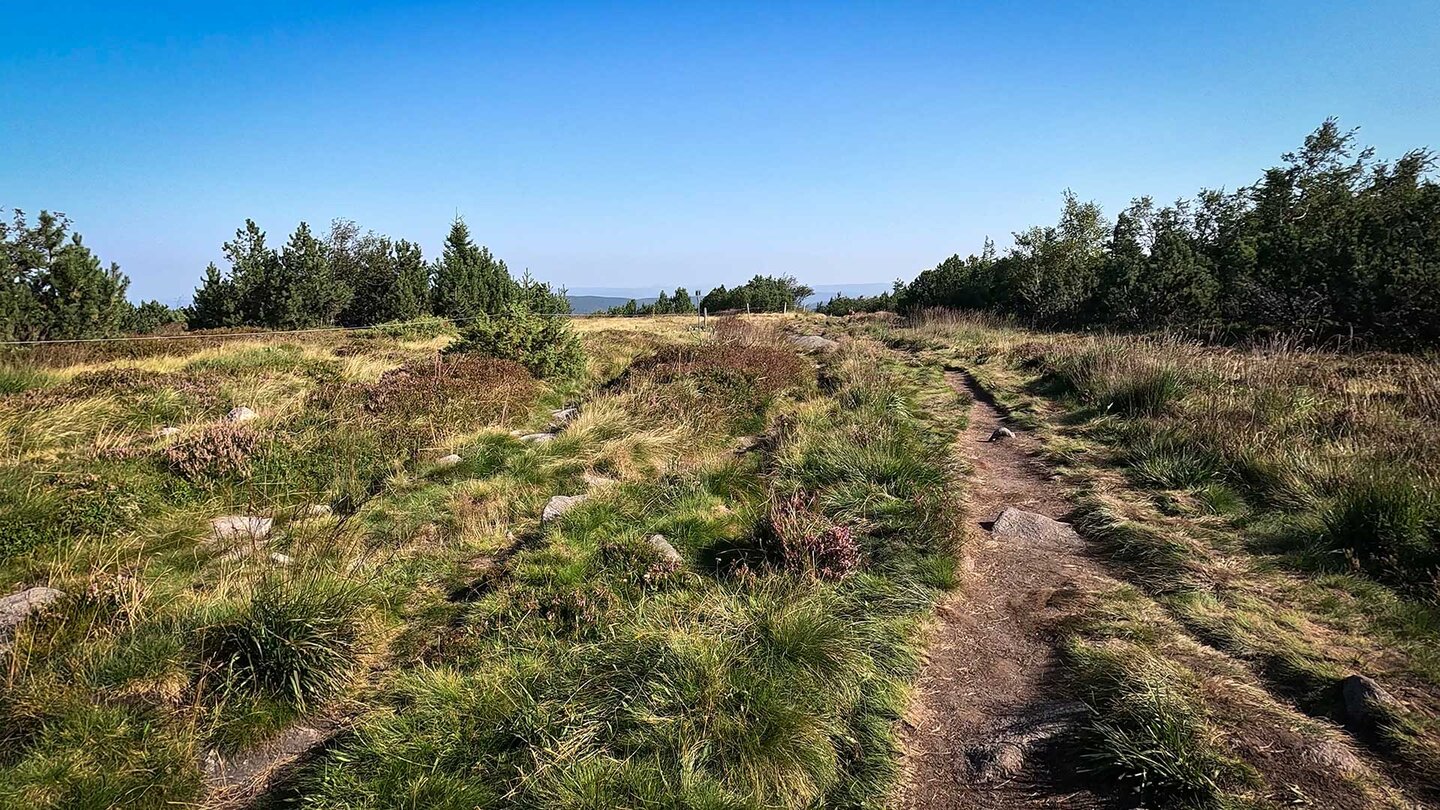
pixel 472 654
pixel 1331 245
pixel 1273 511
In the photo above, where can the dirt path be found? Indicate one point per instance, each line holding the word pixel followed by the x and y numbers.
pixel 987 701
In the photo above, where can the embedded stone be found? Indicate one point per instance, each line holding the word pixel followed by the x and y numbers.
pixel 666 551
pixel 240 414
pixel 241 527
pixel 21 605
pixel 1019 526
pixel 559 505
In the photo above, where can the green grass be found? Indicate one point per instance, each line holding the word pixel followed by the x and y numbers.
pixel 486 659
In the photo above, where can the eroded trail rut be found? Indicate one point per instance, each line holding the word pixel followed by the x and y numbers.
pixel 988 700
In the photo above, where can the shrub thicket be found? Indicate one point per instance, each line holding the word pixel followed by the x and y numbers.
pixel 1331 243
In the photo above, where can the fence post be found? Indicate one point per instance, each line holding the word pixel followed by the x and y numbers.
pixel 705 318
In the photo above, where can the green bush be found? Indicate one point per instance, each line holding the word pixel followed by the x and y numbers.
pixel 543 343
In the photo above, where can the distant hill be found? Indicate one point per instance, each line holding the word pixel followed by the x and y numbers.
pixel 586 304
pixel 615 297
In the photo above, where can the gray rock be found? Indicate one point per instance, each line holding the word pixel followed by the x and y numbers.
pixel 667 552
pixel 447 461
pixel 240 414
pixel 1367 704
pixel 1002 433
pixel 537 438
pixel 280 559
pixel 21 605
pixel 314 510
pixel 1019 526
pixel 241 527
pixel 564 415
pixel 559 505
pixel 814 343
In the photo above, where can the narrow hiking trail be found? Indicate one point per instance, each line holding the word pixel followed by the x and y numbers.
pixel 992 699
pixel 987 700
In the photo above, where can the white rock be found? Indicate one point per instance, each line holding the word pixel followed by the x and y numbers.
pixel 279 559
pixel 241 527
pixel 1002 432
pixel 537 438
pixel 313 510
pixel 559 505
pixel 667 551
pixel 240 414
pixel 168 431
pixel 564 414
pixel 447 461
pixel 21 605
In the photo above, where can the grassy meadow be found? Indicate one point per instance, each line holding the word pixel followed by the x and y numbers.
pixel 471 653
pixel 1275 514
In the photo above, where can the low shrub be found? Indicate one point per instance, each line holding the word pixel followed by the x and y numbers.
pixel 426 328
pixel 295 641
pixel 420 403
pixel 544 343
pixel 808 543
pixel 217 451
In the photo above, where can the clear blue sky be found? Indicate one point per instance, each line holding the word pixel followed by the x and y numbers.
pixel 640 144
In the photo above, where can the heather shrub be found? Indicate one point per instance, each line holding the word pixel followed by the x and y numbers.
pixel 807 542
pixel 215 452
pixel 420 403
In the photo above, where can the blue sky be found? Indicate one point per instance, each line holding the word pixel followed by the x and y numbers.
pixel 648 144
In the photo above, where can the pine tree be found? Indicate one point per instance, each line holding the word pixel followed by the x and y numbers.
pixel 469 280
pixel 216 302
pixel 255 277
pixel 83 298
pixel 307 292
pixel 680 302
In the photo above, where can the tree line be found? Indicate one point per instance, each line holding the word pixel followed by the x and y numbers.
pixel 1331 242
pixel 53 287
pixel 759 294
pixel 348 278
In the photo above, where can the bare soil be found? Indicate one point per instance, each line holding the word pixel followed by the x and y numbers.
pixel 988 699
